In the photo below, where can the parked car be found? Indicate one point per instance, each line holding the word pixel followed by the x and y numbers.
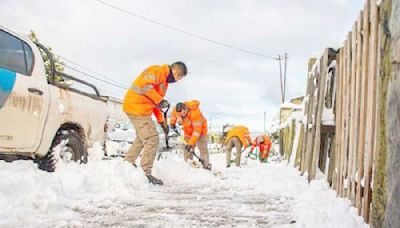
pixel 120 139
pixel 40 117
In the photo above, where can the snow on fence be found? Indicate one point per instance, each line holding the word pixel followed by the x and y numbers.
pixel 343 132
pixel 318 128
pixel 291 115
pixel 356 115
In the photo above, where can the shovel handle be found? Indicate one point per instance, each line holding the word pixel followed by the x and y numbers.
pixel 201 160
pixel 165 111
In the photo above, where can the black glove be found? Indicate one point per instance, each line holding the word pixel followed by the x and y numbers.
pixel 163 104
pixel 188 148
pixel 165 127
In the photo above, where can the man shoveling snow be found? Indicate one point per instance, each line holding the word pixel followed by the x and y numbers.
pixel 237 137
pixel 195 130
pixel 145 97
pixel 263 143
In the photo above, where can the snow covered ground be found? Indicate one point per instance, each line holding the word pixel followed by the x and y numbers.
pixel 112 193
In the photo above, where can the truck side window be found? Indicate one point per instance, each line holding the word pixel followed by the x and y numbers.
pixel 28 58
pixel 12 54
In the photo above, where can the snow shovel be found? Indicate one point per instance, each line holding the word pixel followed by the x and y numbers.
pixel 200 160
pixel 165 110
pixel 214 172
pixel 167 148
pixel 176 131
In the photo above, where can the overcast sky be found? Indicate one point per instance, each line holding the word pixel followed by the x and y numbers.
pixel 240 85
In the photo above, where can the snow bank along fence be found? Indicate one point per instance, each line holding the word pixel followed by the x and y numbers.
pixel 290 115
pixel 351 124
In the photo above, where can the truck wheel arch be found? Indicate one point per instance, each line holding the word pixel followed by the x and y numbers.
pixel 76 144
pixel 47 144
pixel 74 127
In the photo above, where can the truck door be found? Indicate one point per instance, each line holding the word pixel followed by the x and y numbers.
pixel 24 95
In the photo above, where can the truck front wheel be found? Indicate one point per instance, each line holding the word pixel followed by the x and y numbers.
pixel 67 146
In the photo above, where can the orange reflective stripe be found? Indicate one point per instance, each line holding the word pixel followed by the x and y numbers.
pixel 150 76
pixel 197 123
pixel 142 90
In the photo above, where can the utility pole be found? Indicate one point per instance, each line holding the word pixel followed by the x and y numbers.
pixel 282 75
pixel 284 81
pixel 283 94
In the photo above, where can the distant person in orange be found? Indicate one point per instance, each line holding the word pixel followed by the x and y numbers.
pixel 195 129
pixel 238 137
pixel 264 145
pixel 144 98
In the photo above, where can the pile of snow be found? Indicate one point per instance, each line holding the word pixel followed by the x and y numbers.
pixel 114 193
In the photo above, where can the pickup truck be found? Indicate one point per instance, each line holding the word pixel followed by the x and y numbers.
pixel 41 118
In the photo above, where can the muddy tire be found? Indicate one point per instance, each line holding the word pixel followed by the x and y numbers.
pixel 67 147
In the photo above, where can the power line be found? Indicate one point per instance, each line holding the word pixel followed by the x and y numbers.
pixel 88 69
pixel 185 32
pixel 94 77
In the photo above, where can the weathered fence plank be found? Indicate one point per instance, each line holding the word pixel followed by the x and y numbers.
pixel 363 105
pixel 319 105
pixel 352 87
pixel 353 153
pixel 371 104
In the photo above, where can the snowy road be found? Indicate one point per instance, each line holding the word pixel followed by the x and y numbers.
pixel 191 205
pixel 114 194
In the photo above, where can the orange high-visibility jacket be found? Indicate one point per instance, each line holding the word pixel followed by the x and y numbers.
pixel 242 133
pixel 148 89
pixel 194 124
pixel 267 143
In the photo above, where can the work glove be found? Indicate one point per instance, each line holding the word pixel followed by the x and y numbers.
pixel 165 127
pixel 188 148
pixel 163 104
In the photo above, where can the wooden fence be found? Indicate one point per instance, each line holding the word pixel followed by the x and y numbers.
pixel 356 120
pixel 344 83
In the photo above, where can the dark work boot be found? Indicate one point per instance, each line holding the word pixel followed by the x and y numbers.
pixel 153 180
pixel 208 167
